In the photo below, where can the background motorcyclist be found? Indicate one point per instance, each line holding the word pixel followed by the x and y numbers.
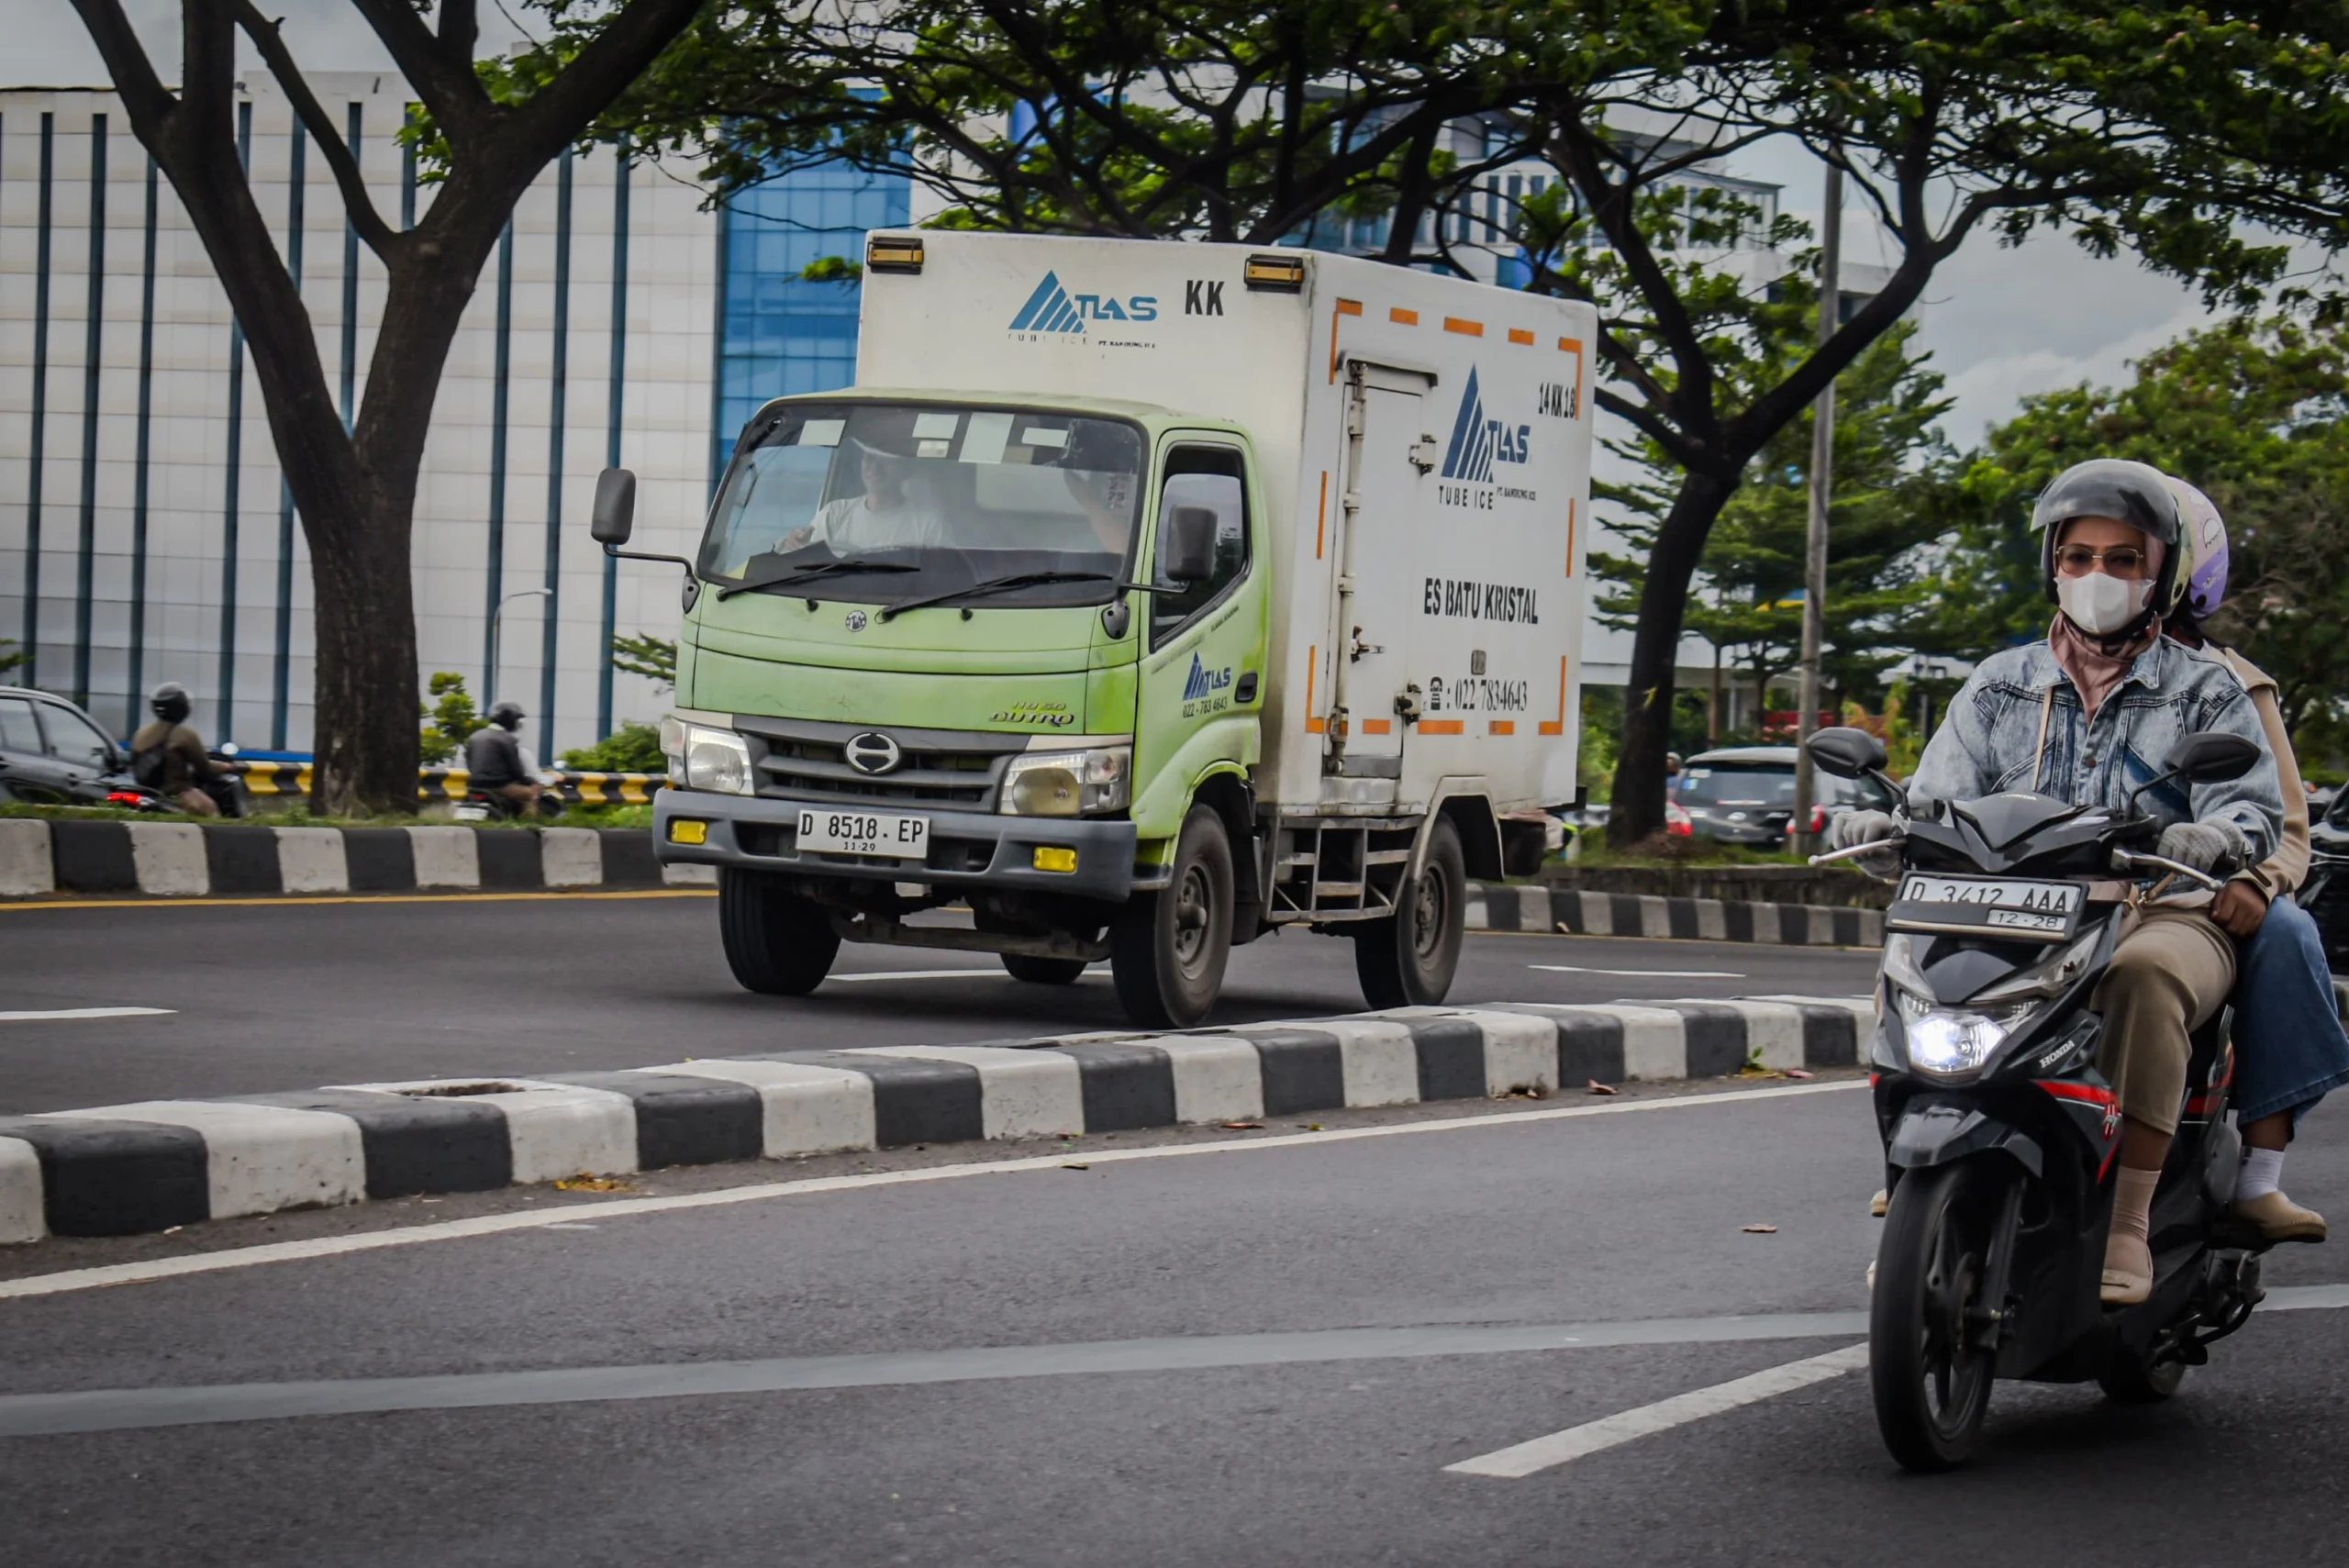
pixel 2086 716
pixel 168 756
pixel 494 760
pixel 2290 1049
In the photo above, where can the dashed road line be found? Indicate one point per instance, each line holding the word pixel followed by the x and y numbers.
pixel 67 1014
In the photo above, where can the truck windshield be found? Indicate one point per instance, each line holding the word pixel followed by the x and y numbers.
pixel 937 496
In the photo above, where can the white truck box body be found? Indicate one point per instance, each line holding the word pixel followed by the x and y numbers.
pixel 1468 571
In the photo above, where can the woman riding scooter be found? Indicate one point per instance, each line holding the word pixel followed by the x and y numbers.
pixel 2084 717
pixel 2290 1047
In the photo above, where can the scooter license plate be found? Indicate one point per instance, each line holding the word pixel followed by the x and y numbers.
pixel 863 833
pixel 2008 907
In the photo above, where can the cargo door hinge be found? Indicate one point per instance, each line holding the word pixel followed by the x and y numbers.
pixel 1422 455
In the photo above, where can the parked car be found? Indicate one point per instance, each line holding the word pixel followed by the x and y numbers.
pixel 1745 794
pixel 53 753
pixel 2325 893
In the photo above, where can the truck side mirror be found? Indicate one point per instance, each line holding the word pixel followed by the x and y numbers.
pixel 1187 549
pixel 614 518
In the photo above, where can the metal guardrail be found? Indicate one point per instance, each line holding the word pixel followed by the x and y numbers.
pixel 448 783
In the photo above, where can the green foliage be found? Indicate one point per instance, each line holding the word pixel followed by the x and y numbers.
pixel 447 721
pixel 832 269
pixel 1748 595
pixel 630 749
pixel 2250 410
pixel 651 657
pixel 11 656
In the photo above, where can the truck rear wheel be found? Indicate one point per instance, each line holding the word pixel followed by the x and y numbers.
pixel 776 942
pixel 1168 948
pixel 1043 971
pixel 1408 960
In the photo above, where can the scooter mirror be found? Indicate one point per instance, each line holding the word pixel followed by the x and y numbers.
pixel 2212 756
pixel 614 518
pixel 1847 753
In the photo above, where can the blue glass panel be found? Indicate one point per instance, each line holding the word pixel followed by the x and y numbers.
pixel 779 335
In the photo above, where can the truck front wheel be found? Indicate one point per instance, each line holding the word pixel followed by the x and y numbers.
pixel 1168 948
pixel 1408 958
pixel 776 942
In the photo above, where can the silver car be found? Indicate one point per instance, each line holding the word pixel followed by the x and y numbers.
pixel 1745 794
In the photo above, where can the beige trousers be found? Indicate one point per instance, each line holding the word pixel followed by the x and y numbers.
pixel 2168 976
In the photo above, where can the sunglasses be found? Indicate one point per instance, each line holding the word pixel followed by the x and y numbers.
pixel 2078 560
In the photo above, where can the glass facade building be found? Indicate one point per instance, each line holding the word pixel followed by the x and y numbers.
pixel 779 334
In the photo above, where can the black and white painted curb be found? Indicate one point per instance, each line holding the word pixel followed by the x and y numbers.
pixel 1496 908
pixel 132 1169
pixel 181 860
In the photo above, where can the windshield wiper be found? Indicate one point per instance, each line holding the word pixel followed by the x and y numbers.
pixel 995 585
pixel 821 569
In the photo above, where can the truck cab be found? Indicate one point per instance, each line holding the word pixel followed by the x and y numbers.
pixel 986 632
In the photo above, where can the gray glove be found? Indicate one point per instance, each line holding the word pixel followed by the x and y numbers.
pixel 2216 849
pixel 1861 828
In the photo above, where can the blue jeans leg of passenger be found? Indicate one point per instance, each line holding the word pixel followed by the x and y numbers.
pixel 2289 1046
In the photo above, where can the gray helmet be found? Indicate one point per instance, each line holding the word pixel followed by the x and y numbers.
pixel 2136 493
pixel 170 703
pixel 507 716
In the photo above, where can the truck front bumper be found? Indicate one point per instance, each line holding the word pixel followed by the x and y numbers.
pixel 966 849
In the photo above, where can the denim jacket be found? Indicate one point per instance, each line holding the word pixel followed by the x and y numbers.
pixel 1991 740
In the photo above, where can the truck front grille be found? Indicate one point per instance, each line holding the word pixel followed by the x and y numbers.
pixel 804 761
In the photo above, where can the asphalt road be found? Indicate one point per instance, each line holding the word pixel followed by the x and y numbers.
pixel 1181 1351
pixel 291 995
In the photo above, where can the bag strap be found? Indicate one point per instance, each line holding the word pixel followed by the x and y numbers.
pixel 2039 764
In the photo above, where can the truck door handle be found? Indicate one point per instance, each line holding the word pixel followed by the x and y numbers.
pixel 1245 691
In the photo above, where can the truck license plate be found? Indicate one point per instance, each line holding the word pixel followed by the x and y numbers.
pixel 863 833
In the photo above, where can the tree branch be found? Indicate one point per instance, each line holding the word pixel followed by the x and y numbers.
pixel 143 95
pixel 359 208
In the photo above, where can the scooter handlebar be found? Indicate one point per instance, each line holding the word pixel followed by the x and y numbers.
pixel 2129 861
pixel 1856 850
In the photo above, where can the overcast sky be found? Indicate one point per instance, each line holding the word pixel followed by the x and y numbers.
pixel 2000 324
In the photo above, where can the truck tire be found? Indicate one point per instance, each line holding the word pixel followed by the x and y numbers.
pixel 776 942
pixel 1408 960
pixel 1168 948
pixel 1043 971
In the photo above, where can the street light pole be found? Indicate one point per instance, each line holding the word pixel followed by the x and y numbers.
pixel 1822 476
pixel 497 621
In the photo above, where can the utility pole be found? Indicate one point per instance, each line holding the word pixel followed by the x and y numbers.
pixel 1823 477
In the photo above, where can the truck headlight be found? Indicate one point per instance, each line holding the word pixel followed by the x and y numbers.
pixel 703 757
pixel 1069 784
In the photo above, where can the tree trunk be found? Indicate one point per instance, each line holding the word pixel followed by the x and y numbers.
pixel 1637 808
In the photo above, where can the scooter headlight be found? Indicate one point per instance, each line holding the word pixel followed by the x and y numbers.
pixel 1954 1043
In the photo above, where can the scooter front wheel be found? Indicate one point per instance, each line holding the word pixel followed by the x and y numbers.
pixel 1931 1384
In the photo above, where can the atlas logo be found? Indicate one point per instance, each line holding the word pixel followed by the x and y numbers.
pixel 1478 442
pixel 1052 308
pixel 1205 681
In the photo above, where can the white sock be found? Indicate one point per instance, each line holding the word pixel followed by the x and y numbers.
pixel 2262 1172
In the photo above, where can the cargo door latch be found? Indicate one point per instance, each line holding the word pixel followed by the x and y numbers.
pixel 1422 454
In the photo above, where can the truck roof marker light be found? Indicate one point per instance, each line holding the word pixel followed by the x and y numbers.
pixel 1402 317
pixel 1465 329
pixel 1282 274
pixel 1520 335
pixel 893 253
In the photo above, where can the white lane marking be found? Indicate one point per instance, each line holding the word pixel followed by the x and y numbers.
pixel 62 1015
pixel 1644 973
pixel 942 975
pixel 105 1275
pixel 1521 1459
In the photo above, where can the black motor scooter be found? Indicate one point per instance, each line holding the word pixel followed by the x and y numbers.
pixel 2001 1137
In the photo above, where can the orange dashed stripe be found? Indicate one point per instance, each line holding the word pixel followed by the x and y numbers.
pixel 1466 330
pixel 1518 334
pixel 1503 727
pixel 1377 725
pixel 1321 520
pixel 1559 728
pixel 1570 528
pixel 1345 307
pixel 1313 664
pixel 1440 727
pixel 1574 346
pixel 1402 317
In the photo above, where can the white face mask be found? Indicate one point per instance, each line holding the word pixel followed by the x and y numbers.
pixel 2101 604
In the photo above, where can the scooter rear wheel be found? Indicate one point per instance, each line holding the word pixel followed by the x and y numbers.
pixel 1932 1387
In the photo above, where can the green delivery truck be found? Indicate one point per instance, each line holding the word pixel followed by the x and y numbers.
pixel 1142 599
